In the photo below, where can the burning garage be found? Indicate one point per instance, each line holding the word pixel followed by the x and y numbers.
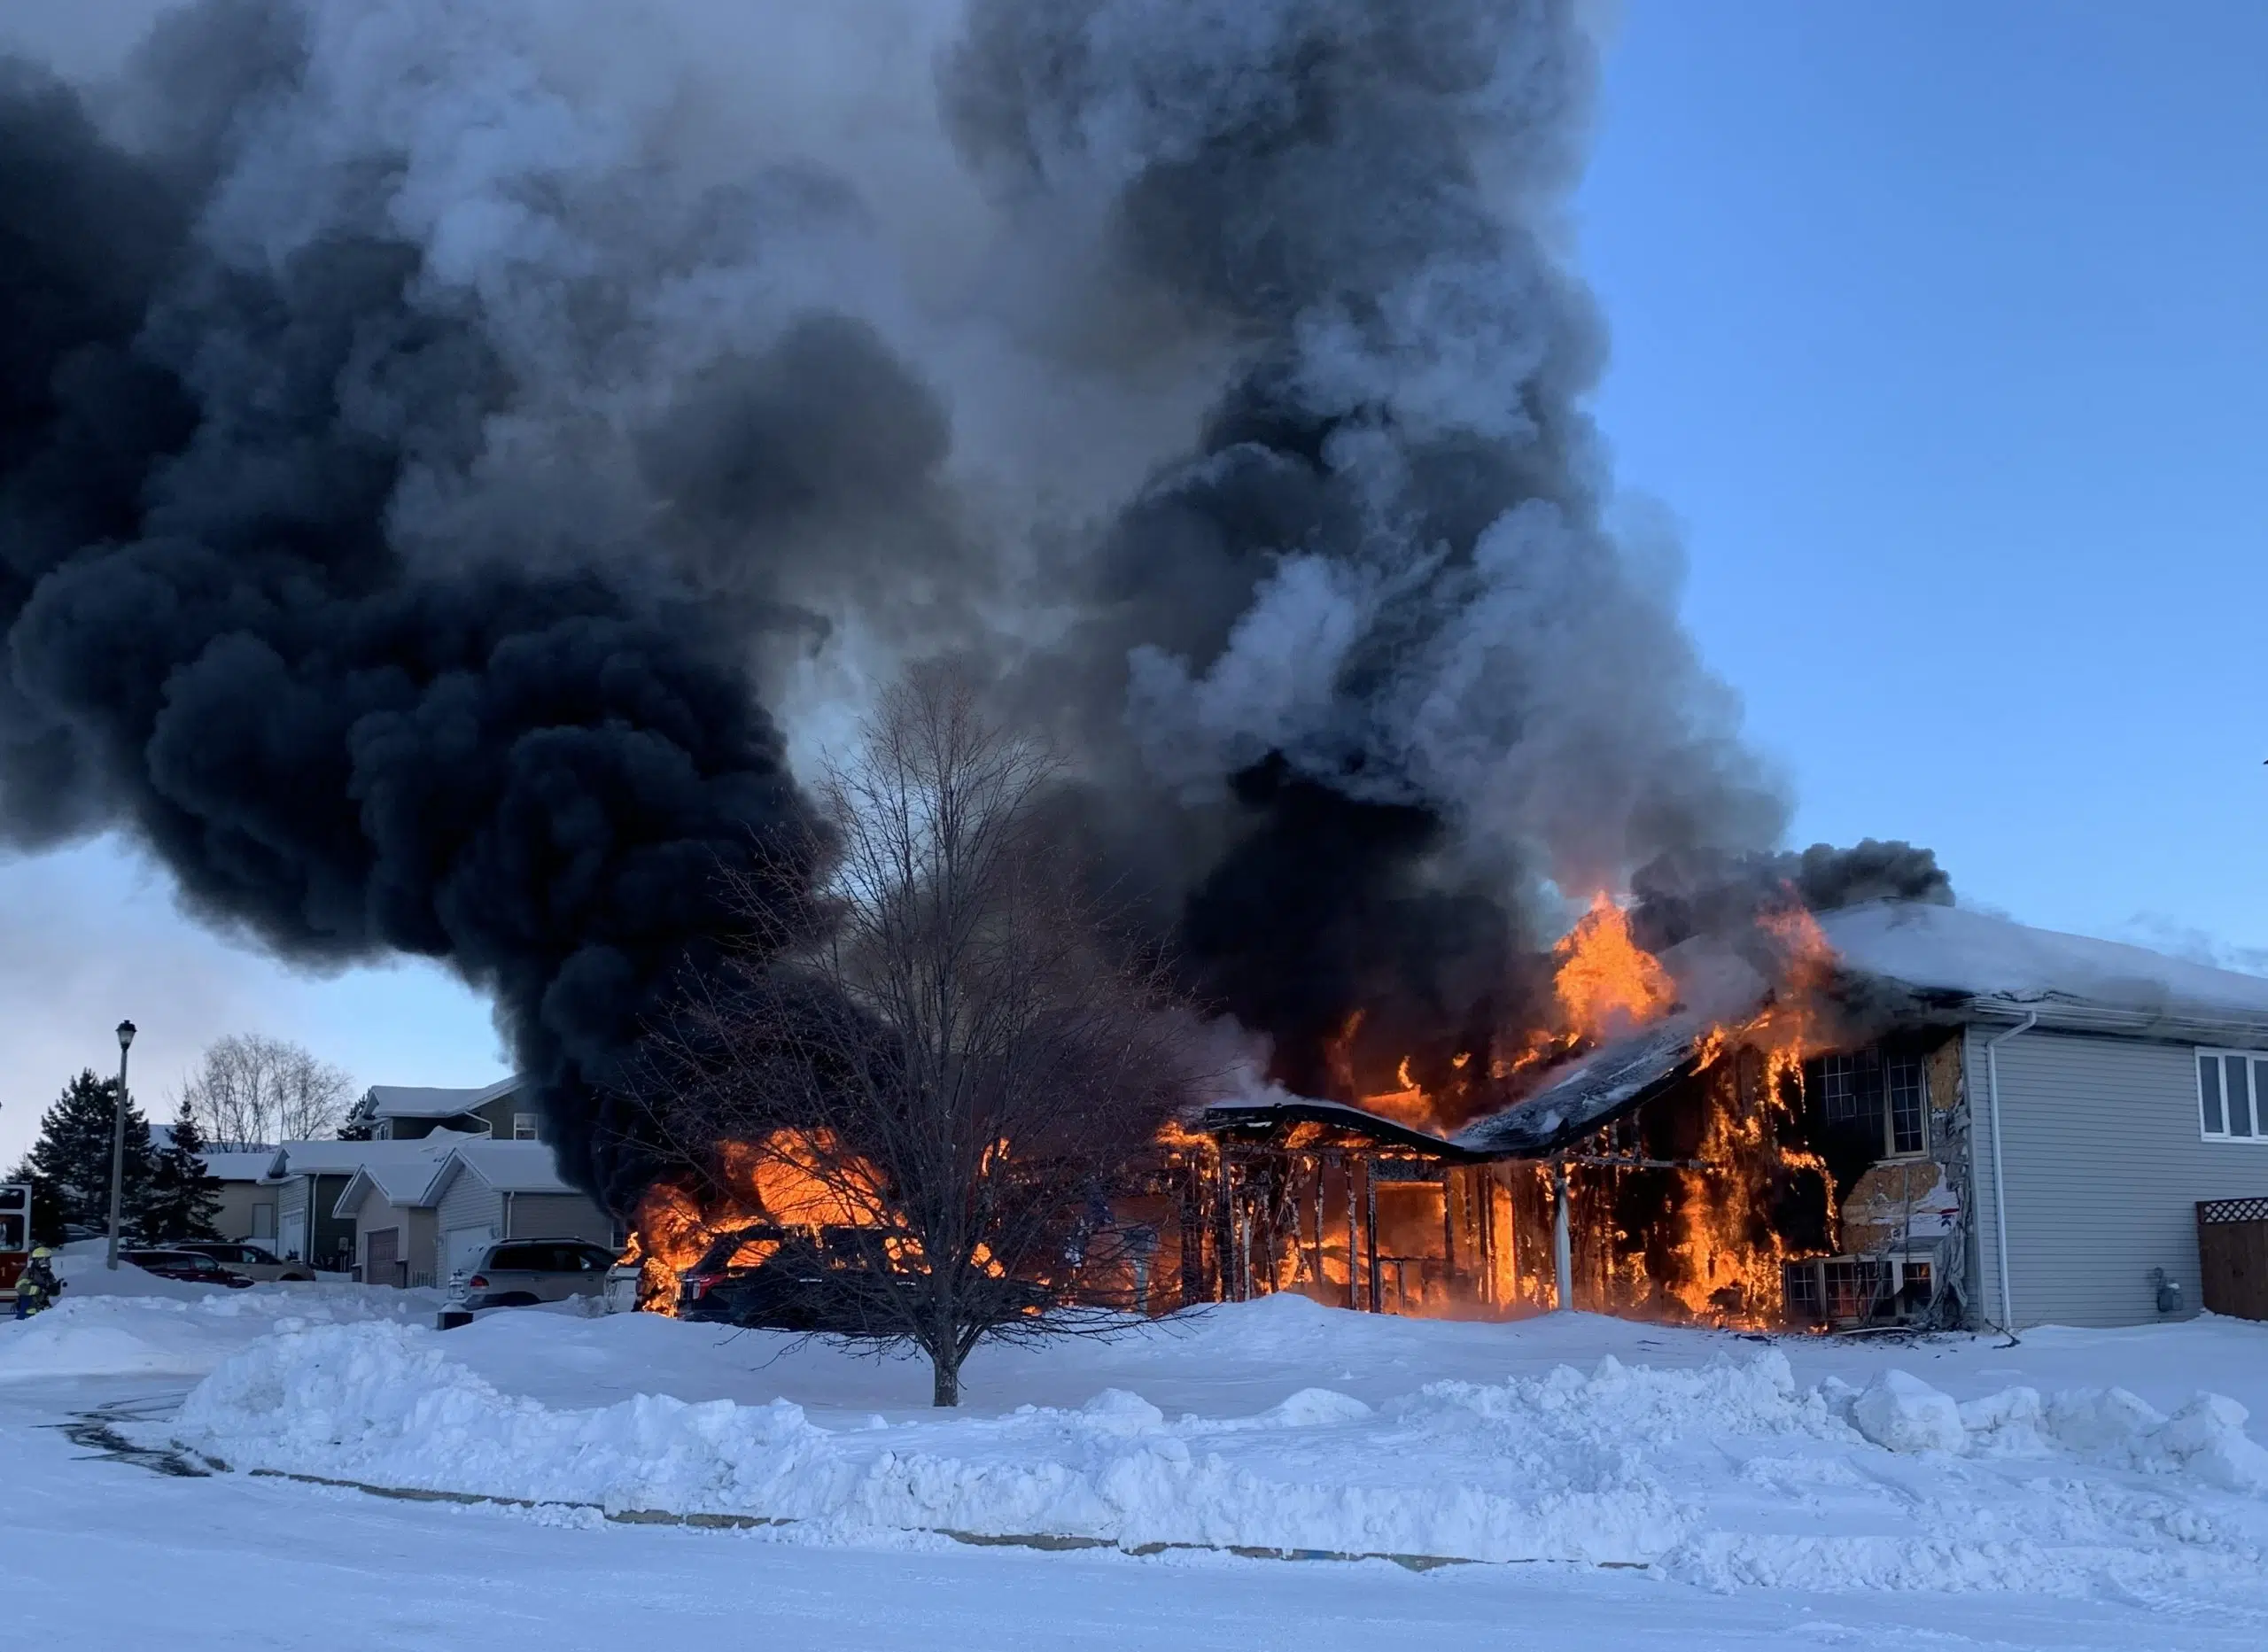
pixel 1897 1113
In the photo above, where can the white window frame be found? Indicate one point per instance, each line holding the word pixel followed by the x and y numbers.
pixel 2258 1059
pixel 1891 1153
pixel 523 1127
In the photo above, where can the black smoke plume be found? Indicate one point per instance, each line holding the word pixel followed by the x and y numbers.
pixel 532 772
pixel 432 435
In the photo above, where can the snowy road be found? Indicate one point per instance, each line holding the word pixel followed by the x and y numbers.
pixel 107 1555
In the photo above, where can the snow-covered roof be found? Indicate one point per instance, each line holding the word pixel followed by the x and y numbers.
pixel 300 1159
pixel 240 1167
pixel 1945 949
pixel 407 1101
pixel 406 1184
pixel 506 1166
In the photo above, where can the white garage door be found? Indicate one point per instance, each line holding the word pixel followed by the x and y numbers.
pixel 291 1238
pixel 461 1248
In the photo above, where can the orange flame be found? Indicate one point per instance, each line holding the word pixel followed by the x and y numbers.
pixel 777 1182
pixel 1606 982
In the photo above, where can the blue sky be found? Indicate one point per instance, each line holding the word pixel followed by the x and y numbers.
pixel 1941 329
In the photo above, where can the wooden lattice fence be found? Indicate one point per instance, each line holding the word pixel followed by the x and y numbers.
pixel 2233 1250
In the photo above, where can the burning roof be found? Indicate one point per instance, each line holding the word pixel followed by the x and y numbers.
pixel 1591 1091
pixel 1883 961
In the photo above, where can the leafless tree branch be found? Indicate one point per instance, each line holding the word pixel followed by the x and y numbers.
pixel 953 1080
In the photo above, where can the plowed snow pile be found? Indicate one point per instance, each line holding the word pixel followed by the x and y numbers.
pixel 133 1323
pixel 1726 1473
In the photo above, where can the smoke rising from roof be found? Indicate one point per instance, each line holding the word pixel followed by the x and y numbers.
pixel 431 435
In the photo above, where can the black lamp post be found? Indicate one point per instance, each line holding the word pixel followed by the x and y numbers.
pixel 118 1141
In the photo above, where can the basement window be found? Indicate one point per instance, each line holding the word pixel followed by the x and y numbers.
pixel 2229 1096
pixel 1888 1092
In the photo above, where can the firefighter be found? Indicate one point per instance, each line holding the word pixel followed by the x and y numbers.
pixel 37 1286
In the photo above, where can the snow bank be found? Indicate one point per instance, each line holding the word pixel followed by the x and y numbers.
pixel 1900 1412
pixel 116 1326
pixel 1725 1474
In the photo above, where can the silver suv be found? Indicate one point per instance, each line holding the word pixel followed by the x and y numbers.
pixel 521 1273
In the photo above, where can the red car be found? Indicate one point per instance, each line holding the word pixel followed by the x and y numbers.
pixel 187 1266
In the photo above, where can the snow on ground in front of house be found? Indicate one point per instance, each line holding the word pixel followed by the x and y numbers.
pixel 2078 1462
pixel 129 1322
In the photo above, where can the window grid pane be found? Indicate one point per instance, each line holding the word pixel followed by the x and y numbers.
pixel 2240 1094
pixel 1907 1107
pixel 1838 1092
pixel 2208 1096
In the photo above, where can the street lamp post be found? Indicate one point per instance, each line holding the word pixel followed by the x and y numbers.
pixel 118 1141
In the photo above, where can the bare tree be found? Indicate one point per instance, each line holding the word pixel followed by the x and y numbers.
pixel 951 1082
pixel 249 1088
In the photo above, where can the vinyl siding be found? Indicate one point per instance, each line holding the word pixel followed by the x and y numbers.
pixel 233 1218
pixel 2105 1165
pixel 469 1202
pixel 559 1216
pixel 419 1236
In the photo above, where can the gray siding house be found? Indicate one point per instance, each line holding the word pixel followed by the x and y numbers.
pixel 488 1191
pixel 402 1113
pixel 391 1207
pixel 248 1195
pixel 2102 1159
pixel 313 1177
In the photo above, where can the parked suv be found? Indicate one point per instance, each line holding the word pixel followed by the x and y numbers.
pixel 521 1273
pixel 254 1262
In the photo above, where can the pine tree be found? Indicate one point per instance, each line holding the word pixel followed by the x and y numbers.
pixel 72 1157
pixel 184 1195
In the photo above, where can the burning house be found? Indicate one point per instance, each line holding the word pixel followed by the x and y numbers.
pixel 456 461
pixel 1899 1112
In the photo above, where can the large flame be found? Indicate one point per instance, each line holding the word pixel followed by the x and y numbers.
pixel 1607 983
pixel 788 1180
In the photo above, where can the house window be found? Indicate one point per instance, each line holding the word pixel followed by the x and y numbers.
pixel 523 1127
pixel 1870 1090
pixel 2229 1098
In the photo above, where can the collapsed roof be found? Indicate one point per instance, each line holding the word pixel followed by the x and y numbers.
pixel 1904 961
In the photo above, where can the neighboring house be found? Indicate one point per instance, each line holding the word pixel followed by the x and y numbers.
pixel 487 1191
pixel 388 1202
pixel 2022 1128
pixel 247 1209
pixel 398 1113
pixel 314 1176
pixel 248 1194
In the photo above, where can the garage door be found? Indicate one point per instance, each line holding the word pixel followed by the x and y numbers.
pixel 382 1258
pixel 461 1249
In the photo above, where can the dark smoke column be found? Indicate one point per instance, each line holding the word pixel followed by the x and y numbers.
pixel 1373 630
pixel 528 768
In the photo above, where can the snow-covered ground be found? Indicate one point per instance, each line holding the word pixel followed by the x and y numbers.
pixel 2070 1490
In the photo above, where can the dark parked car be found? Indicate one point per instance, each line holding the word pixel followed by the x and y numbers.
pixel 185 1265
pixel 254 1262
pixel 784 1279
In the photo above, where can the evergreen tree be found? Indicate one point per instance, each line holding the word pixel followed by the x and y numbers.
pixel 360 1124
pixel 184 1195
pixel 72 1157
